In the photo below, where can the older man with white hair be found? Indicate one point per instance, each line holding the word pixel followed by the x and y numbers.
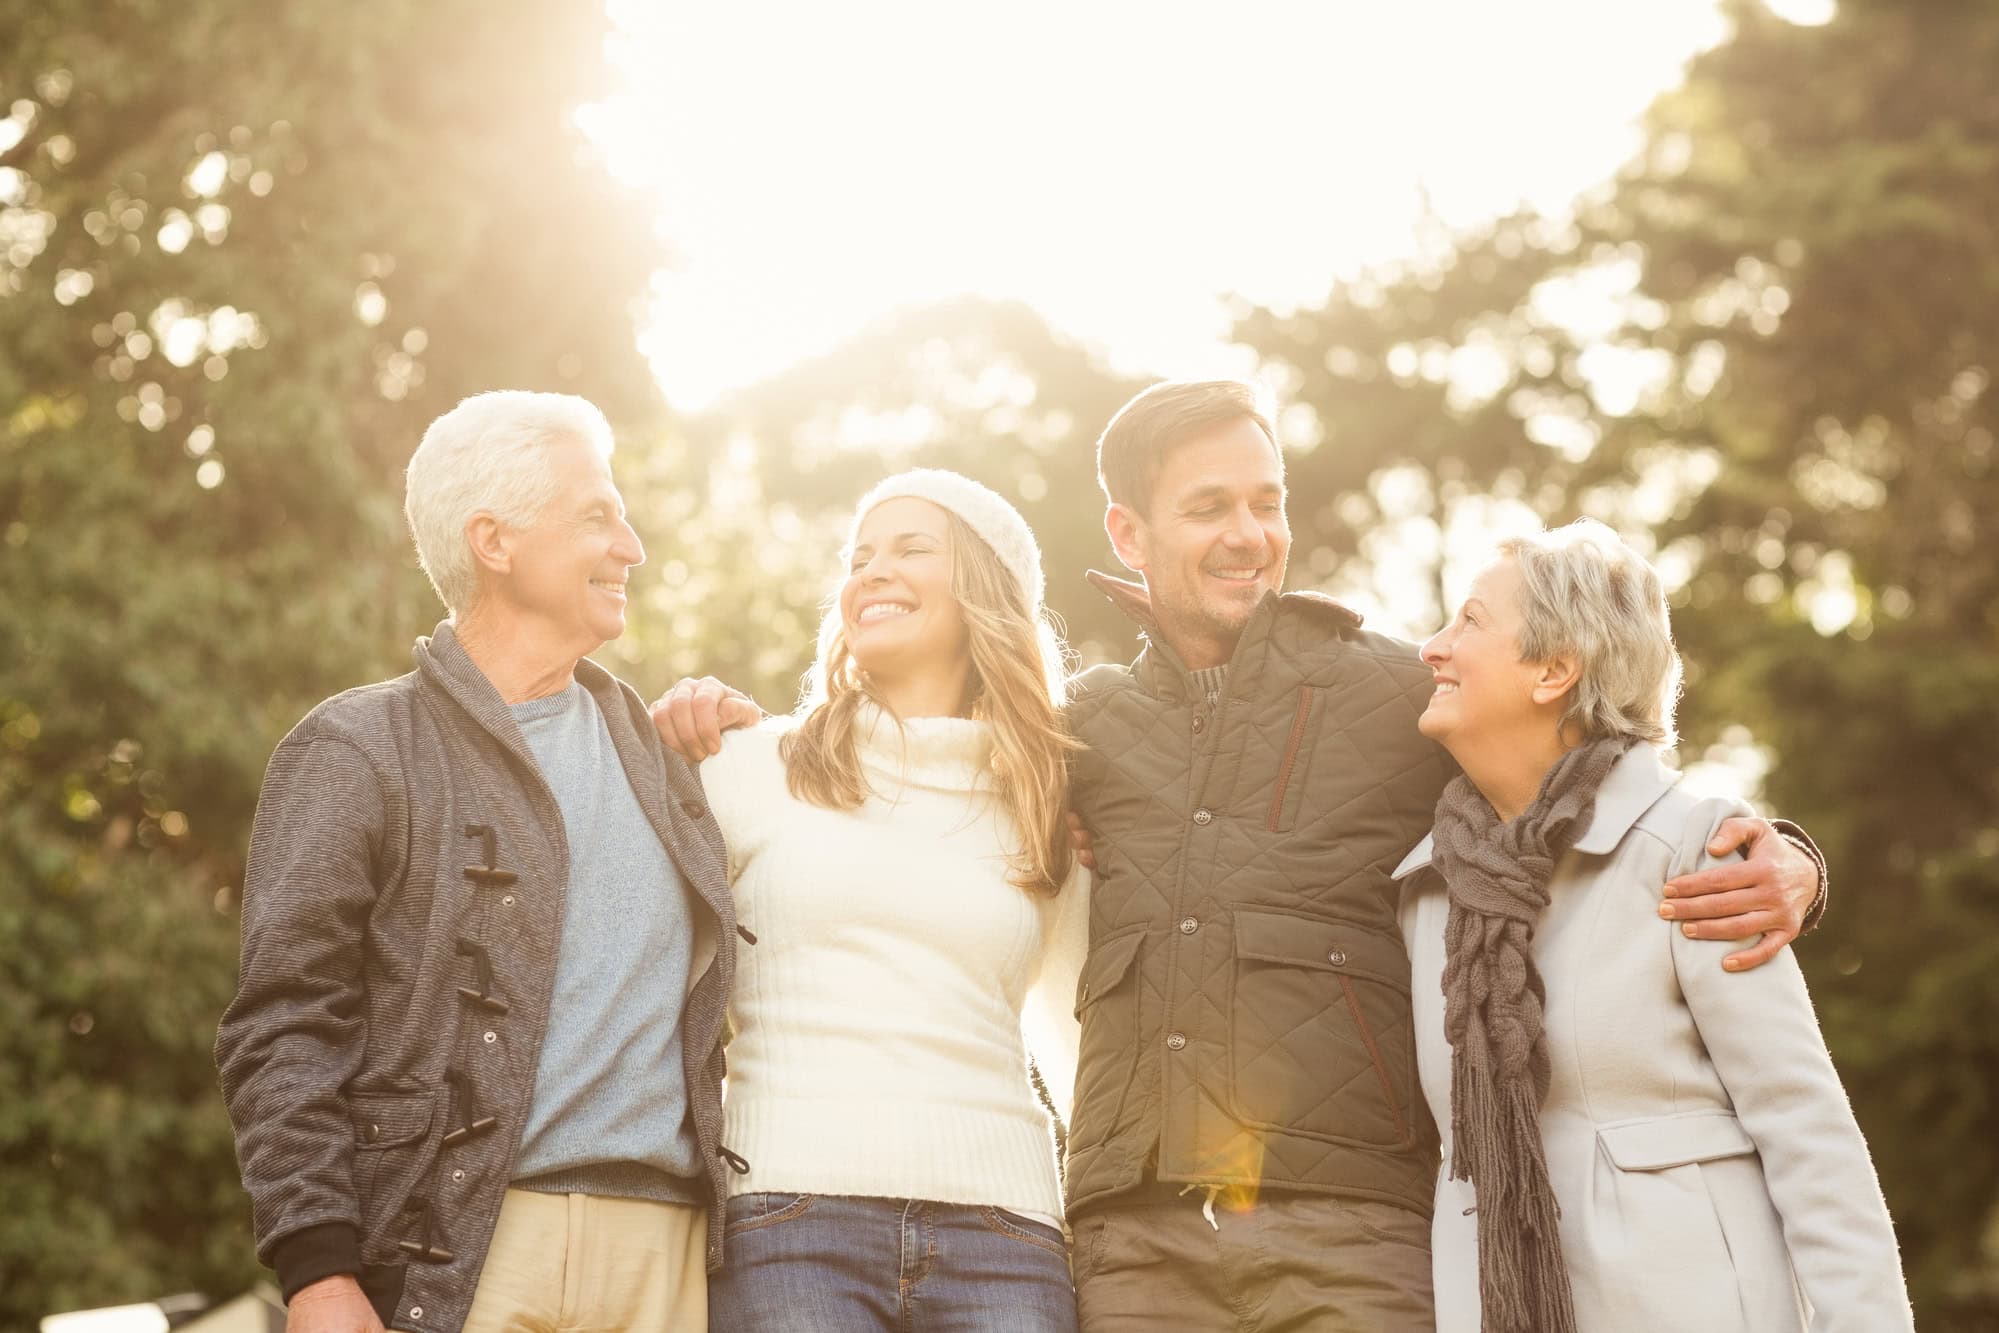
pixel 474 1058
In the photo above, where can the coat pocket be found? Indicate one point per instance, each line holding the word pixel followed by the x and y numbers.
pixel 391 1151
pixel 1657 1143
pixel 1655 1223
pixel 1106 968
pixel 1321 1042
pixel 1107 1006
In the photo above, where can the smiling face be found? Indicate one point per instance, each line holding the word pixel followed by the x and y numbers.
pixel 1213 539
pixel 1485 693
pixel 568 570
pixel 897 610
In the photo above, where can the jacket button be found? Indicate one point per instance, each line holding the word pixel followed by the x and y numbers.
pixel 374 1133
pixel 1188 925
pixel 416 1312
pixel 1204 816
pixel 1177 1041
pixel 1200 724
pixel 1338 958
pixel 694 809
pixel 508 900
pixel 458 1174
pixel 490 1037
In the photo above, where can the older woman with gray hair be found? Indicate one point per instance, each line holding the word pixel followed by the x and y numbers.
pixel 1633 1138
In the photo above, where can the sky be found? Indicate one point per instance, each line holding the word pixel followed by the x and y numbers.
pixel 1120 166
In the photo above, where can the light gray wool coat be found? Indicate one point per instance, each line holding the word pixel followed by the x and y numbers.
pixel 1710 1173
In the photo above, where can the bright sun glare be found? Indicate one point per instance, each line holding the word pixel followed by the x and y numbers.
pixel 1119 166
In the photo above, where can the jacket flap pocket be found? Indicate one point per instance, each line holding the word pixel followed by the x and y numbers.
pixel 389 1120
pixel 1327 945
pixel 1659 1142
pixel 1106 967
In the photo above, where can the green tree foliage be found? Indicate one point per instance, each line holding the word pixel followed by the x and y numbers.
pixel 1819 218
pixel 246 252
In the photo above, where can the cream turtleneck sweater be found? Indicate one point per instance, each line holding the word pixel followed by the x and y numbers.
pixel 883 1017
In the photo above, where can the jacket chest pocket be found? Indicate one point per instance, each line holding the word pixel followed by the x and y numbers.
pixel 1297 742
pixel 391 1153
pixel 1321 1042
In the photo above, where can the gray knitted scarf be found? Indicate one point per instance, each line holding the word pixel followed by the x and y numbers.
pixel 1497 876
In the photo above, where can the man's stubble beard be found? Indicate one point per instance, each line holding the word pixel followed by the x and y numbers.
pixel 1187 617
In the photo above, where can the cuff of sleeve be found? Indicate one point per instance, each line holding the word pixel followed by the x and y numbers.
pixel 304 1257
pixel 1801 840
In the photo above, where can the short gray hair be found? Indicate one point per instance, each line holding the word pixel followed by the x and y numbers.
pixel 1583 591
pixel 489 453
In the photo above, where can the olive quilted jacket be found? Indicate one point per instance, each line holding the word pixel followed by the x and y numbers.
pixel 1245 1003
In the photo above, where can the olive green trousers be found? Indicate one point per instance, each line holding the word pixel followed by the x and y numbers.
pixel 1285 1262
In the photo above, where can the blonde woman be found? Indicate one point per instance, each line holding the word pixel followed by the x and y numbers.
pixel 903 874
pixel 1632 1137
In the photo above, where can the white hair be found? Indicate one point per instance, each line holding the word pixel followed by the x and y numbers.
pixel 1583 591
pixel 488 454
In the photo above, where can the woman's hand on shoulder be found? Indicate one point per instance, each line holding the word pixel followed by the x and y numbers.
pixel 692 716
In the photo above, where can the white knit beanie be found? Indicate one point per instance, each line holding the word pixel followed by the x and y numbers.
pixel 984 510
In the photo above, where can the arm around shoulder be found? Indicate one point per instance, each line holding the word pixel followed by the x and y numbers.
pixel 1798 838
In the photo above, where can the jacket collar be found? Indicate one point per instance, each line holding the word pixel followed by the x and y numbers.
pixel 1134 599
pixel 1635 783
pixel 443 661
pixel 1159 662
pixel 667 790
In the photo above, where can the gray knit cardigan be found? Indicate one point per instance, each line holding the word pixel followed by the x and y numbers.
pixel 401 916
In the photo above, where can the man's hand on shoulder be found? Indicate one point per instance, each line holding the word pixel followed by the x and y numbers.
pixel 331 1305
pixel 1081 841
pixel 1769 894
pixel 692 716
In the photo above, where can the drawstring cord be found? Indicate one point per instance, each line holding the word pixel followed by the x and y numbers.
pixel 1207 1204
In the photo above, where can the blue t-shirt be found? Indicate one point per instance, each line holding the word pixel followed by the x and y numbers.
pixel 609 1114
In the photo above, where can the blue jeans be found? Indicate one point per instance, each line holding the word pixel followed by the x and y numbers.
pixel 818 1263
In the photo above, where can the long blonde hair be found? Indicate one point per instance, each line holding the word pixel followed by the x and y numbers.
pixel 1016 689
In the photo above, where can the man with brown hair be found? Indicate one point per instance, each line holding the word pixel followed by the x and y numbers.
pixel 1247 1146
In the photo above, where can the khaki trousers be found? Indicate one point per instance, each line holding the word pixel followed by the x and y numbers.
pixel 570 1263
pixel 1287 1263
